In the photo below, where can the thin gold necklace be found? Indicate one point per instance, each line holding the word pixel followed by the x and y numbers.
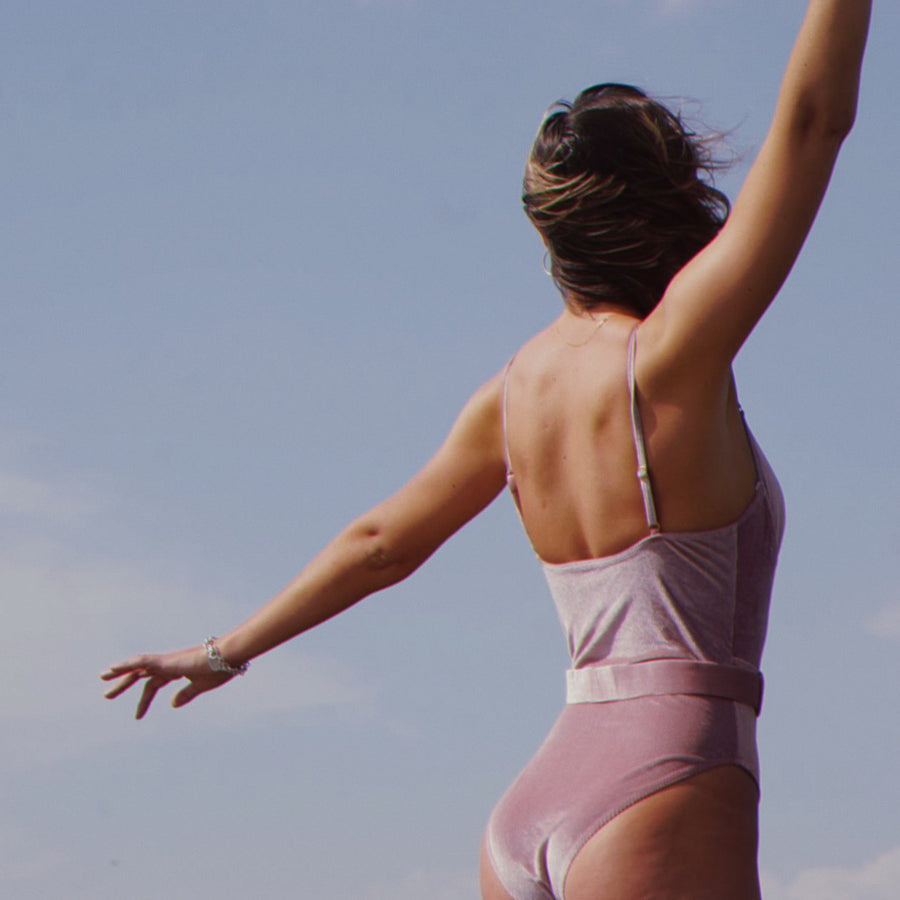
pixel 599 323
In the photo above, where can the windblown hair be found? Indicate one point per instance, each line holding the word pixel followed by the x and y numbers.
pixel 622 192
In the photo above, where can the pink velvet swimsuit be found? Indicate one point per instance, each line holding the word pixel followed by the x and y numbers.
pixel 665 639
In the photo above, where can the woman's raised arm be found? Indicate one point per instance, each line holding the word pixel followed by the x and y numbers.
pixel 379 549
pixel 715 301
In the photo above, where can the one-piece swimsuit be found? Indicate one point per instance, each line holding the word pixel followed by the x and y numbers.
pixel 665 639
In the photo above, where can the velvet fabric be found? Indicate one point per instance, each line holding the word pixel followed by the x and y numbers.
pixel 666 639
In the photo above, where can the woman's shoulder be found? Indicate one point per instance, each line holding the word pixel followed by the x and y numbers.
pixel 669 369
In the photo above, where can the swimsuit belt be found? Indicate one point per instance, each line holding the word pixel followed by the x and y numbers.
pixel 603 684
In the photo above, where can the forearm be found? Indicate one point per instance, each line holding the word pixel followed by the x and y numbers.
pixel 392 540
pixel 355 564
pixel 377 550
pixel 821 84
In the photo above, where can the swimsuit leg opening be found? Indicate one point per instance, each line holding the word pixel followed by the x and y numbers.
pixel 644 795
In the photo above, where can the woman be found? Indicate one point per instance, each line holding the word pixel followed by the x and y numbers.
pixel 647 784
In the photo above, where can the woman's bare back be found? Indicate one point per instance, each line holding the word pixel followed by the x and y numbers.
pixel 572 448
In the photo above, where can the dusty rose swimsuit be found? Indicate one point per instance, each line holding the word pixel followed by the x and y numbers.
pixel 672 628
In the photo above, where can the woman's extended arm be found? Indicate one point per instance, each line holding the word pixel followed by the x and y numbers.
pixel 714 302
pixel 379 549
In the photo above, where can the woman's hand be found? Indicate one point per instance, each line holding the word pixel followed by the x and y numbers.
pixel 159 670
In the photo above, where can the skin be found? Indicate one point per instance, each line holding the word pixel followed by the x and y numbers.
pixel 567 397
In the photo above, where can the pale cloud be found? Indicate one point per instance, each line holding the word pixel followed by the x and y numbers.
pixel 28 498
pixel 419 883
pixel 67 615
pixel 24 856
pixel 875 880
pixel 682 7
pixel 23 496
pixel 64 614
pixel 885 622
pixel 387 4
pixel 66 618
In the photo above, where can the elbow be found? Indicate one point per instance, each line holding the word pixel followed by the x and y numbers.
pixel 825 121
pixel 837 125
pixel 381 555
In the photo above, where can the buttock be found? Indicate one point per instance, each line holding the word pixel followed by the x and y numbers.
pixel 597 760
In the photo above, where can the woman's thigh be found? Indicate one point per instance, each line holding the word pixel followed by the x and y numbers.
pixel 491 889
pixel 694 840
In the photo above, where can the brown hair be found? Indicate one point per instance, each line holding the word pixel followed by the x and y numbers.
pixel 621 191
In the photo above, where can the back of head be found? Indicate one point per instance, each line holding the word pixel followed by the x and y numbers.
pixel 620 190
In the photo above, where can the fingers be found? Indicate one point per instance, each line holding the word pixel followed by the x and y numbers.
pixel 133 670
pixel 123 685
pixel 123 668
pixel 154 683
pixel 186 694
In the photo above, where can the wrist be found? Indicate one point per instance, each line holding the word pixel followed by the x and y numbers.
pixel 218 662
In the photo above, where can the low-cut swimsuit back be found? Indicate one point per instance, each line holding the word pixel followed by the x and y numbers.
pixel 666 639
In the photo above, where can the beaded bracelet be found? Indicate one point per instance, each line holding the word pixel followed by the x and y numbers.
pixel 217 662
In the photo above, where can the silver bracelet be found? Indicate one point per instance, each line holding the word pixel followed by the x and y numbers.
pixel 217 662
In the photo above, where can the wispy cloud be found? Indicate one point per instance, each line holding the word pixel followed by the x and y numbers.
pixel 27 498
pixel 682 7
pixel 68 614
pixel 23 496
pixel 875 880
pixel 387 4
pixel 67 617
pixel 436 885
pixel 23 855
pixel 886 622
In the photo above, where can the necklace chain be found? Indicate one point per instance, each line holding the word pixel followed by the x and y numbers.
pixel 598 324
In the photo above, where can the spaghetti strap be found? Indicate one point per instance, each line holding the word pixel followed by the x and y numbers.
pixel 643 471
pixel 510 475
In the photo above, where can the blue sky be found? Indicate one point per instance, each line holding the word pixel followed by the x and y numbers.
pixel 255 256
